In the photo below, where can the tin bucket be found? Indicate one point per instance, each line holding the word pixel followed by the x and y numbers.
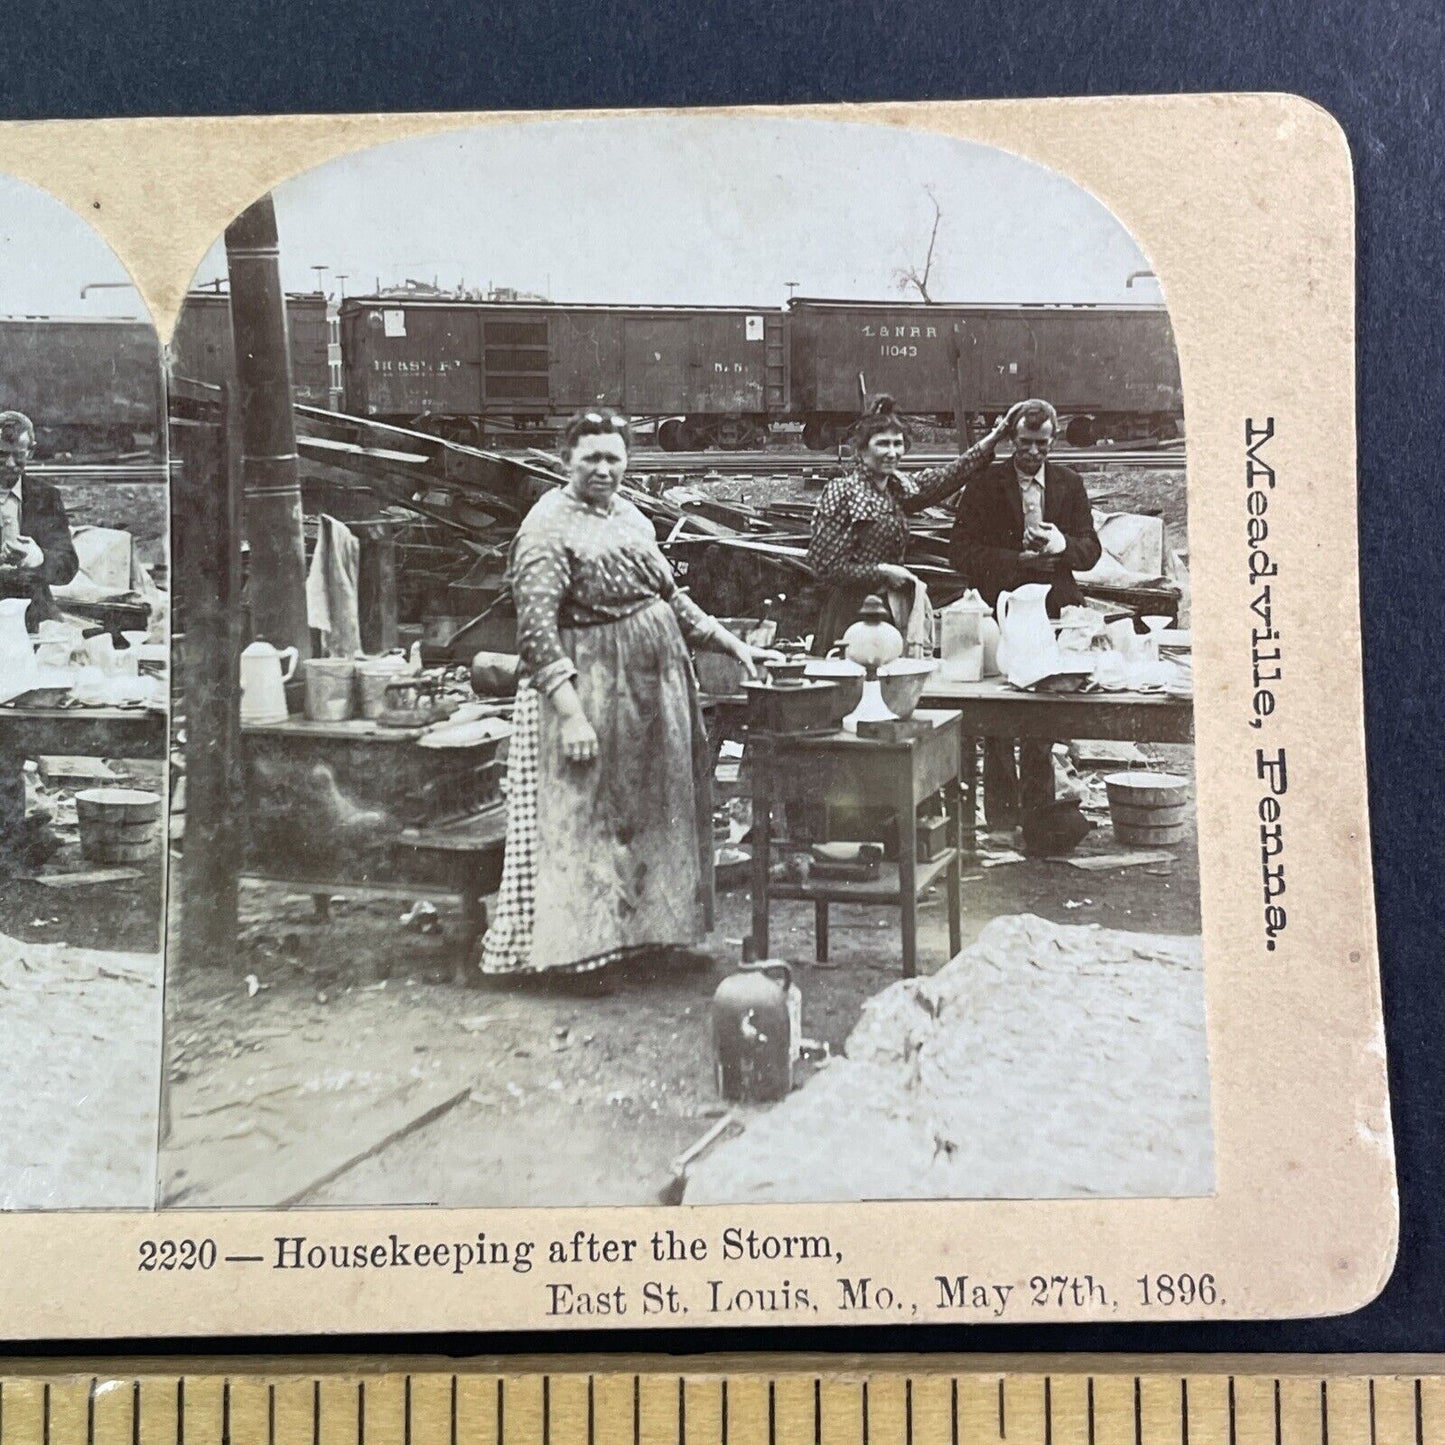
pixel 329 683
pixel 372 679
pixel 1148 810
pixel 118 825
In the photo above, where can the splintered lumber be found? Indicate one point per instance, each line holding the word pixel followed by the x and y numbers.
pixel 407 463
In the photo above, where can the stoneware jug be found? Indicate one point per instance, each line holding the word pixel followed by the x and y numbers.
pixel 752 1029
pixel 263 683
pixel 19 671
pixel 1026 646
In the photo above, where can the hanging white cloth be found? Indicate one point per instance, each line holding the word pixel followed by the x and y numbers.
pixel 332 607
pixel 913 616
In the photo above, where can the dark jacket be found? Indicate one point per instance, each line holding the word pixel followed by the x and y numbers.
pixel 988 535
pixel 42 516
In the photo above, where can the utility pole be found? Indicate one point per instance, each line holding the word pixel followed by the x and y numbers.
pixel 270 466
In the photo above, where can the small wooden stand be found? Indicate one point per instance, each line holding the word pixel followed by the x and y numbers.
pixel 898 774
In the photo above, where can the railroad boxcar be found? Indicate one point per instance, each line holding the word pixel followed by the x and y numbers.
pixel 708 375
pixel 92 386
pixel 201 348
pixel 1112 371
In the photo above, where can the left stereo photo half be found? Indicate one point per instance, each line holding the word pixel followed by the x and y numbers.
pixel 84 739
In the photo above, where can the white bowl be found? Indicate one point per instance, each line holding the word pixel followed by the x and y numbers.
pixel 903 683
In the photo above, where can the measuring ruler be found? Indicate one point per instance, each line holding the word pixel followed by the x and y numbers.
pixel 979 1400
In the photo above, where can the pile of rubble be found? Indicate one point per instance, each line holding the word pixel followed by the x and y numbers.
pixel 1046 1061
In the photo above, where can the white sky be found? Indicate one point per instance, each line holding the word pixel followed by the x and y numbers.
pixel 700 210
pixel 47 253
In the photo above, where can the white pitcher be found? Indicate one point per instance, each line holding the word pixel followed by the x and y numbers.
pixel 19 671
pixel 1026 647
pixel 263 683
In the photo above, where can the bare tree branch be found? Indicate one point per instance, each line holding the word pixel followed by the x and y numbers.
pixel 911 276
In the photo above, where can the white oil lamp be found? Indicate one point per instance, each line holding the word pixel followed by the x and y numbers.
pixel 872 642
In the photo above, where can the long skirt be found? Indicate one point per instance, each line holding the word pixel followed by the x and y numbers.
pixel 613 856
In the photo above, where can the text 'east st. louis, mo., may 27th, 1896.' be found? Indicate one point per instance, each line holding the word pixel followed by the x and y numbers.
pixel 759 1276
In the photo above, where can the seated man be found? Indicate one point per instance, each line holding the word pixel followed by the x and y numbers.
pixel 1023 520
pixel 35 551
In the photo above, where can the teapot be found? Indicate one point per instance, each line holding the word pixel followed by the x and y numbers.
pixel 1027 650
pixel 263 683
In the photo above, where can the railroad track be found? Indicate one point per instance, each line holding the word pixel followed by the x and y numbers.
pixel 777 463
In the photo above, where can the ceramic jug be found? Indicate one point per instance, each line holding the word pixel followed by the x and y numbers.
pixel 1026 645
pixel 19 671
pixel 263 683
pixel 756 1019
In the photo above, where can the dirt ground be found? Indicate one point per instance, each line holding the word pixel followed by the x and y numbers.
pixel 80 996
pixel 540 1097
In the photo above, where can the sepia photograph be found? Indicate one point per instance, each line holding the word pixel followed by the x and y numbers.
pixel 84 655
pixel 683 681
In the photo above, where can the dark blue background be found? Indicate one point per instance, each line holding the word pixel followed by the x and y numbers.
pixel 1377 67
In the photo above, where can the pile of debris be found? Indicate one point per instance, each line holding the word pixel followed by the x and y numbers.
pixel 1046 1061
pixel 81 1072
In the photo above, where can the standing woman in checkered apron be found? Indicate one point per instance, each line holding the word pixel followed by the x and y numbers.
pixel 609 803
pixel 860 530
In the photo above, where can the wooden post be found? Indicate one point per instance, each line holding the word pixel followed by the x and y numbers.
pixel 270 466
pixel 960 395
pixel 376 584
pixel 205 551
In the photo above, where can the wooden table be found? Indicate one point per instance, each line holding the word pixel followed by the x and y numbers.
pixel 84 732
pixel 993 709
pixel 868 772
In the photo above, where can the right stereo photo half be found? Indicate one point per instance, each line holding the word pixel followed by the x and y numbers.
pixel 682 685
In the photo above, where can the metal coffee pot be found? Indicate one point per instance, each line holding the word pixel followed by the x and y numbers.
pixel 263 682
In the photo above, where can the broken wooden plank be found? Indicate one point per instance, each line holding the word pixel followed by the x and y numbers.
pixel 282 1176
pixel 351 449
pixel 90 876
pixel 68 772
pixel 1097 862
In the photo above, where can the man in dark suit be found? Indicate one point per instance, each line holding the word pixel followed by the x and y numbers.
pixel 36 552
pixel 1025 519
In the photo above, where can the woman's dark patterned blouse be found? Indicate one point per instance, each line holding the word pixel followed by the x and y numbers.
pixel 857 526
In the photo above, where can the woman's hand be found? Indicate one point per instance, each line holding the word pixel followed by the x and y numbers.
pixel 896 576
pixel 579 739
pixel 746 654
pixel 758 655
pixel 1004 426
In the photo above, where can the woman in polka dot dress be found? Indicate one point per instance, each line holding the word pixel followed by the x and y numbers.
pixel 609 809
pixel 860 529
